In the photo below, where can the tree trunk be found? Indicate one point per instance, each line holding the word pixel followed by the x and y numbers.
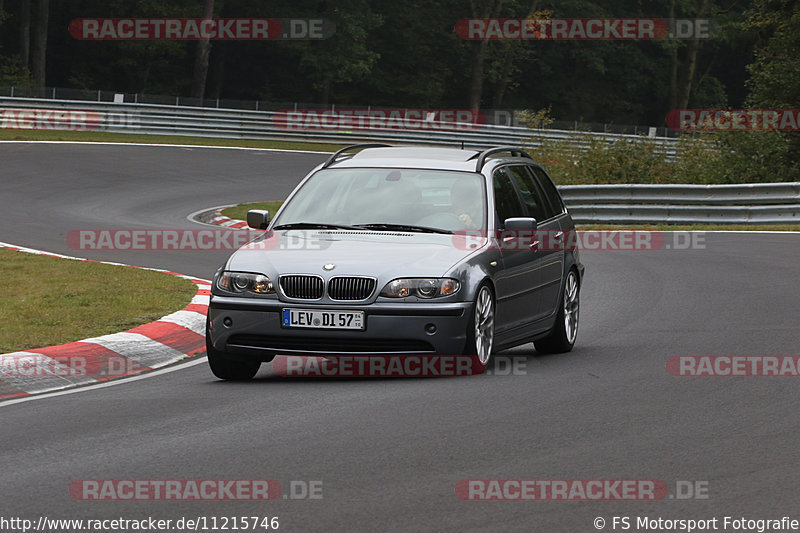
pixel 684 91
pixel 490 9
pixel 25 33
pixel 216 71
pixel 513 51
pixel 39 45
pixel 691 65
pixel 673 66
pixel 505 76
pixel 476 86
pixel 201 57
pixel 325 91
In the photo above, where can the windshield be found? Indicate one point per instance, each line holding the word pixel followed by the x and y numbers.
pixel 386 198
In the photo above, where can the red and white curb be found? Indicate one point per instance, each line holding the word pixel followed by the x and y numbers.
pixel 213 217
pixel 167 340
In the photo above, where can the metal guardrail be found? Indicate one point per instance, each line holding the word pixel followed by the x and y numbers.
pixel 266 125
pixel 753 203
pixel 501 117
pixel 756 203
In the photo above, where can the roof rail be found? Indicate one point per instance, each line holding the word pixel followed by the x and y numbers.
pixel 333 158
pixel 515 152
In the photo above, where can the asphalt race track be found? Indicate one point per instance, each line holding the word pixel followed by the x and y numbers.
pixel 390 452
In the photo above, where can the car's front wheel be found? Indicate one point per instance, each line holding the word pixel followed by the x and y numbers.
pixel 562 337
pixel 228 368
pixel 480 333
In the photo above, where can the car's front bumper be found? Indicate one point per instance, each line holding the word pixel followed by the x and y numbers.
pixel 255 329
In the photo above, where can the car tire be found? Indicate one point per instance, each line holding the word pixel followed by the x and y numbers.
pixel 562 337
pixel 228 368
pixel 480 331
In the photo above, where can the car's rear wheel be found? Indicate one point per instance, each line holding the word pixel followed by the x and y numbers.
pixel 480 333
pixel 228 368
pixel 562 338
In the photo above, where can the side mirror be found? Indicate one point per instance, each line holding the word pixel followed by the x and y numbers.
pixel 521 224
pixel 520 232
pixel 258 218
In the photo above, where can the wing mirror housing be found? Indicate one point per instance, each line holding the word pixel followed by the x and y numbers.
pixel 258 219
pixel 521 224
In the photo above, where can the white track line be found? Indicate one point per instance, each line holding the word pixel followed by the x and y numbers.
pixel 156 145
pixel 180 366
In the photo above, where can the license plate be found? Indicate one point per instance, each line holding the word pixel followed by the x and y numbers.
pixel 322 319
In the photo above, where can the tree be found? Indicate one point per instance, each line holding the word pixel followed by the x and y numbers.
pixel 775 74
pixel 201 57
pixel 682 73
pixel 504 61
pixel 39 48
pixel 480 9
pixel 344 57
pixel 25 32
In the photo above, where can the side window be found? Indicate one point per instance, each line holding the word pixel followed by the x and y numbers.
pixel 549 189
pixel 537 208
pixel 505 197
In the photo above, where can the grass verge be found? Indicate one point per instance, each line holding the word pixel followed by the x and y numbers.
pixel 239 212
pixel 47 300
pixel 101 136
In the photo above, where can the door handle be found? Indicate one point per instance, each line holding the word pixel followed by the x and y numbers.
pixel 534 246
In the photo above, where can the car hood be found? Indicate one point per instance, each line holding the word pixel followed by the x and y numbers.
pixel 367 253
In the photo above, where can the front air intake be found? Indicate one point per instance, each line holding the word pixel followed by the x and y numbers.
pixel 350 288
pixel 302 287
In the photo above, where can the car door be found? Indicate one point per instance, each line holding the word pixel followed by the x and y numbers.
pixel 542 260
pixel 518 279
pixel 553 240
pixel 547 259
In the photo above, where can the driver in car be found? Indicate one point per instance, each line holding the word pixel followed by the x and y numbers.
pixel 466 205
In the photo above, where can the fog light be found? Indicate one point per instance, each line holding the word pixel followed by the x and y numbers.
pixel 430 329
pixel 227 322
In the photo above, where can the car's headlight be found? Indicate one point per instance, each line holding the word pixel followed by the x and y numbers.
pixel 241 282
pixel 426 288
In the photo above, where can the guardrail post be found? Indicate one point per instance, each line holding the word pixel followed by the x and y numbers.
pixel 54 93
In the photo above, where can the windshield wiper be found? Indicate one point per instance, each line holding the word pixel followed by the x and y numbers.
pixel 403 227
pixel 313 225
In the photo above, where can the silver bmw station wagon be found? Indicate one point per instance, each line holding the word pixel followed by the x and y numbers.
pixel 384 251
